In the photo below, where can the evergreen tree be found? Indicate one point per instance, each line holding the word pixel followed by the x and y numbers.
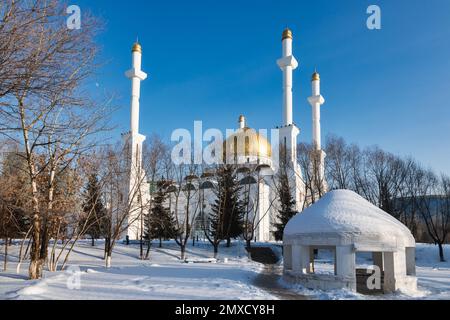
pixel 287 207
pixel 95 215
pixel 161 224
pixel 228 210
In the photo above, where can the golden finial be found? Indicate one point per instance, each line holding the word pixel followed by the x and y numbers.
pixel 137 47
pixel 241 118
pixel 315 76
pixel 287 34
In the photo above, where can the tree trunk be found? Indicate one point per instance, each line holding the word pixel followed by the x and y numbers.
pixel 35 269
pixel 216 250
pixel 248 248
pixel 105 252
pixel 93 242
pixel 147 254
pixel 36 263
pixel 441 252
pixel 183 251
pixel 248 243
pixel 53 261
pixel 27 250
pixel 21 257
pixel 5 262
pixel 160 242
pixel 108 256
pixel 228 242
pixel 108 260
pixel 45 238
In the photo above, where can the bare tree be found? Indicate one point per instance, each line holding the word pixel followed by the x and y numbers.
pixel 404 208
pixel 308 165
pixel 399 186
pixel 184 201
pixel 13 201
pixel 9 227
pixel 125 206
pixel 72 226
pixel 434 207
pixel 44 108
pixel 252 203
pixel 384 172
pixel 156 156
pixel 338 164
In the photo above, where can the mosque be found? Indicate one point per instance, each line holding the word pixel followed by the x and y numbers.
pixel 248 150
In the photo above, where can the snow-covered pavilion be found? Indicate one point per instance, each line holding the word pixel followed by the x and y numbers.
pixel 345 223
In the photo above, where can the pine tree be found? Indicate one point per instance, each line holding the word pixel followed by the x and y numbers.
pixel 95 219
pixel 287 210
pixel 228 210
pixel 161 224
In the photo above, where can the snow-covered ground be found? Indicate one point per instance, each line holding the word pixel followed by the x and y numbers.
pixel 164 276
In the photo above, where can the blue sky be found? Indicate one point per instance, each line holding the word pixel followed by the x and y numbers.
pixel 215 60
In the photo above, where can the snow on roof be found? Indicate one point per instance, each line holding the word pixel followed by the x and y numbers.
pixel 345 213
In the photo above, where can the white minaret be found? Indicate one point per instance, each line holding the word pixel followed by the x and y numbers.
pixel 288 64
pixel 136 75
pixel 241 122
pixel 289 131
pixel 318 155
pixel 316 100
pixel 133 141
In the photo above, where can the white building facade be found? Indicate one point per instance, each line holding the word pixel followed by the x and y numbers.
pixel 248 151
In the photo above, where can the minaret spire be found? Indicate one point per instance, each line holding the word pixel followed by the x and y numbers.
pixel 316 100
pixel 135 177
pixel 136 75
pixel 319 185
pixel 241 122
pixel 288 132
pixel 287 64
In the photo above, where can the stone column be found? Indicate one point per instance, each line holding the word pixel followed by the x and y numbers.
pixel 411 261
pixel 377 258
pixel 394 269
pixel 287 257
pixel 296 258
pixel 345 264
pixel 305 252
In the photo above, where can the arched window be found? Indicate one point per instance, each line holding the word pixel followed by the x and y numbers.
pixel 207 185
pixel 247 180
pixel 189 187
pixel 172 189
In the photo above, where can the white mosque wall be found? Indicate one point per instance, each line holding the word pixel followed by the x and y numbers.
pixel 263 208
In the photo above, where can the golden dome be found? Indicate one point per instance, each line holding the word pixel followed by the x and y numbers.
pixel 287 34
pixel 248 143
pixel 241 118
pixel 315 76
pixel 137 47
